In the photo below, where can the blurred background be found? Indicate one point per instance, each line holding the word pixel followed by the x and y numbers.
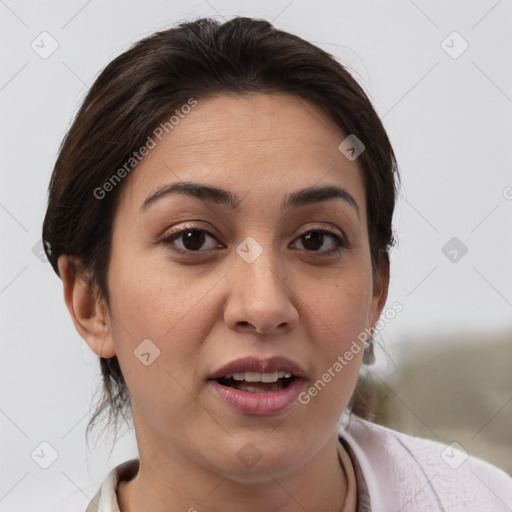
pixel 438 74
pixel 452 393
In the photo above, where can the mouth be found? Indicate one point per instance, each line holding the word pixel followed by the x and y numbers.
pixel 257 382
pixel 259 386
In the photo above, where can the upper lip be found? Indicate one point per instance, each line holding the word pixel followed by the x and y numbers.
pixel 254 364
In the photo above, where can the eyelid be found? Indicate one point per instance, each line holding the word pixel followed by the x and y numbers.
pixel 187 227
pixel 341 241
pixel 328 228
pixel 172 236
pixel 322 226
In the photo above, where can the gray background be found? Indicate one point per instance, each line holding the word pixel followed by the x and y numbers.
pixel 448 118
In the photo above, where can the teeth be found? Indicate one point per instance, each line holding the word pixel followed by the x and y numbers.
pixel 252 377
pixel 259 377
pixel 269 377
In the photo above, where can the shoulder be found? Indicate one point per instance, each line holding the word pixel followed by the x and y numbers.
pixel 105 499
pixel 408 473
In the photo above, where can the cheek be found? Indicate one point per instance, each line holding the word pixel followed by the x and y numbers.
pixel 152 315
pixel 338 317
pixel 342 310
pixel 149 302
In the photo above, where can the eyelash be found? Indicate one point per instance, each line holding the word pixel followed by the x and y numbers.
pixel 168 240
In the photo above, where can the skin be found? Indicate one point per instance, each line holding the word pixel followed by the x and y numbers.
pixel 204 309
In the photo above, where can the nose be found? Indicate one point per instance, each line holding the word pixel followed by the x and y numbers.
pixel 260 300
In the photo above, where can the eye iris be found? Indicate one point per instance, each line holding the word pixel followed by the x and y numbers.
pixel 193 239
pixel 310 239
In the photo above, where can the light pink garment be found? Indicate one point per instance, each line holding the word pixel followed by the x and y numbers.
pixel 409 474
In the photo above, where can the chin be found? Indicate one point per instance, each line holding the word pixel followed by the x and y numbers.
pixel 258 460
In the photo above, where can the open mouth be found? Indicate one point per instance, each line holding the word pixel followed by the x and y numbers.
pixel 256 382
pixel 258 387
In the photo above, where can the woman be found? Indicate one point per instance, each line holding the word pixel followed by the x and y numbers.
pixel 220 215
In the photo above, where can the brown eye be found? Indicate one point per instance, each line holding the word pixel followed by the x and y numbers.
pixel 191 240
pixel 314 240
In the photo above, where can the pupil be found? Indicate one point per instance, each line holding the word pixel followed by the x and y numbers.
pixel 193 240
pixel 313 237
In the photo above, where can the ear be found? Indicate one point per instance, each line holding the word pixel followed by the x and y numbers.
pixel 380 291
pixel 88 312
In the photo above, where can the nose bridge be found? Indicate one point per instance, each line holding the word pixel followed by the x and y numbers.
pixel 259 292
pixel 258 267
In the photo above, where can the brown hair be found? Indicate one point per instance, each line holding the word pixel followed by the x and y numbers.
pixel 140 89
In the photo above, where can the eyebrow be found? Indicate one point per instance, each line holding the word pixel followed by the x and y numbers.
pixel 299 198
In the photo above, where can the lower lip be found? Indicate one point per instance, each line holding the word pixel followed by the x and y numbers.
pixel 262 404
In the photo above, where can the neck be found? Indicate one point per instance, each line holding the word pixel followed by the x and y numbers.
pixel 167 483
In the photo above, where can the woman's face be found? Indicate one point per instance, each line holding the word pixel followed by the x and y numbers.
pixel 206 285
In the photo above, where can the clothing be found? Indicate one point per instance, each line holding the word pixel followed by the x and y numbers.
pixel 393 472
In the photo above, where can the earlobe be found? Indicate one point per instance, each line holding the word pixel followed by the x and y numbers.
pixel 87 310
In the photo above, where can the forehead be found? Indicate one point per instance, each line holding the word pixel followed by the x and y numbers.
pixel 260 146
